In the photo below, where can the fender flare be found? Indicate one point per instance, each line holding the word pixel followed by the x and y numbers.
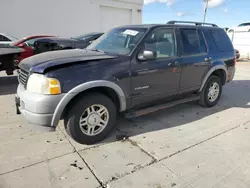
pixel 216 67
pixel 80 88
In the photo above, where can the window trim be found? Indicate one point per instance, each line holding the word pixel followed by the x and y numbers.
pixel 182 46
pixel 204 38
pixel 175 40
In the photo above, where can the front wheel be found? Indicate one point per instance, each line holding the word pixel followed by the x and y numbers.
pixel 211 93
pixel 91 118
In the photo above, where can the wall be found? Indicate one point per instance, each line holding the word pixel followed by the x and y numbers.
pixel 64 17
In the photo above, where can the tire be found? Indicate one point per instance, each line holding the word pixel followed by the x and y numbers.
pixel 85 109
pixel 207 101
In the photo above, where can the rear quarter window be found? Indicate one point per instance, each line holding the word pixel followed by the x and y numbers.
pixel 221 40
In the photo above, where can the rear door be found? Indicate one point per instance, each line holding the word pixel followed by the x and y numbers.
pixel 194 60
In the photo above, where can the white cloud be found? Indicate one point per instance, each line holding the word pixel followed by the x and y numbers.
pixel 215 3
pixel 168 2
pixel 225 10
pixel 180 14
pixel 211 3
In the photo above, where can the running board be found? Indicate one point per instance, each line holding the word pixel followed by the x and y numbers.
pixel 148 110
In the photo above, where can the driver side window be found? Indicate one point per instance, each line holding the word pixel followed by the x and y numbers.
pixel 162 41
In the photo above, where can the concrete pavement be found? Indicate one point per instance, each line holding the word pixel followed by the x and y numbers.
pixel 186 146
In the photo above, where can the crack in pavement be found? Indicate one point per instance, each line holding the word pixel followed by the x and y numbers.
pixel 154 160
pixel 203 141
pixel 33 164
pixel 91 171
pixel 180 151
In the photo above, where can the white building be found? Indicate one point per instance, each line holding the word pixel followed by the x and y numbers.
pixel 66 17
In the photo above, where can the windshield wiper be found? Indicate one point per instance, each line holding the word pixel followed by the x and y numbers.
pixel 97 50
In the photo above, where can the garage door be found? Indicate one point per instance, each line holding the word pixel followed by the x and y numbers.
pixel 112 17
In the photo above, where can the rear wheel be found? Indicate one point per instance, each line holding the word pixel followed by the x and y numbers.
pixel 91 118
pixel 211 93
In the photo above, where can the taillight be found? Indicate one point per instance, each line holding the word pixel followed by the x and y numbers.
pixel 234 61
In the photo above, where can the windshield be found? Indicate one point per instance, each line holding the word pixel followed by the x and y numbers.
pixel 12 38
pixel 118 41
pixel 15 42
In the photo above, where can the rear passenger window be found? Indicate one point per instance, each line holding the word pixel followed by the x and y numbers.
pixel 221 40
pixel 203 46
pixel 190 42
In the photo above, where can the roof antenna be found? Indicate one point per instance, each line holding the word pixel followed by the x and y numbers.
pixel 205 11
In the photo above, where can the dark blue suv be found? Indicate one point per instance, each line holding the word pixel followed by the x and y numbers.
pixel 131 70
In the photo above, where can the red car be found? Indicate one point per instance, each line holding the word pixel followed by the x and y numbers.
pixel 27 45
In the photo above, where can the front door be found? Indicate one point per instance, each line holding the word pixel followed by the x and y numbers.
pixel 156 79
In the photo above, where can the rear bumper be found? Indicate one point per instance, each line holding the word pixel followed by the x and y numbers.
pixel 231 73
pixel 37 109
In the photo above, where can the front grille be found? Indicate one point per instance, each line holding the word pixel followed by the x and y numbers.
pixel 23 76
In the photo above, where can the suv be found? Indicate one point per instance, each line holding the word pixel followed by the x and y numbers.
pixel 131 70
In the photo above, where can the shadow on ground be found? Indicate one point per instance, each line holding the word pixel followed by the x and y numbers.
pixel 235 95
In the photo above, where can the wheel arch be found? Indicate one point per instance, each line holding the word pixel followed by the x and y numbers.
pixel 218 70
pixel 88 86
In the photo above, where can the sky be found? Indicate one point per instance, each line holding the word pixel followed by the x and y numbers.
pixel 225 13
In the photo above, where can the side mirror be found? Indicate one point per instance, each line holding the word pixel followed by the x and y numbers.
pixel 147 55
pixel 22 45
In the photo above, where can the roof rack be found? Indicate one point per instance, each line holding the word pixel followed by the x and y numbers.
pixel 196 23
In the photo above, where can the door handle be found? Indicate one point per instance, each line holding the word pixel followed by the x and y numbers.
pixel 208 59
pixel 173 64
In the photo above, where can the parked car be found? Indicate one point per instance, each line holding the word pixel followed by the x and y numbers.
pixel 243 27
pixel 27 44
pixel 89 37
pixel 6 39
pixel 7 56
pixel 55 43
pixel 132 70
pixel 41 44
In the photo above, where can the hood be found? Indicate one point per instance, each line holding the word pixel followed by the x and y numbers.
pixel 39 63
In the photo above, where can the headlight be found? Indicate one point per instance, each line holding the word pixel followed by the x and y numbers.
pixel 39 83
